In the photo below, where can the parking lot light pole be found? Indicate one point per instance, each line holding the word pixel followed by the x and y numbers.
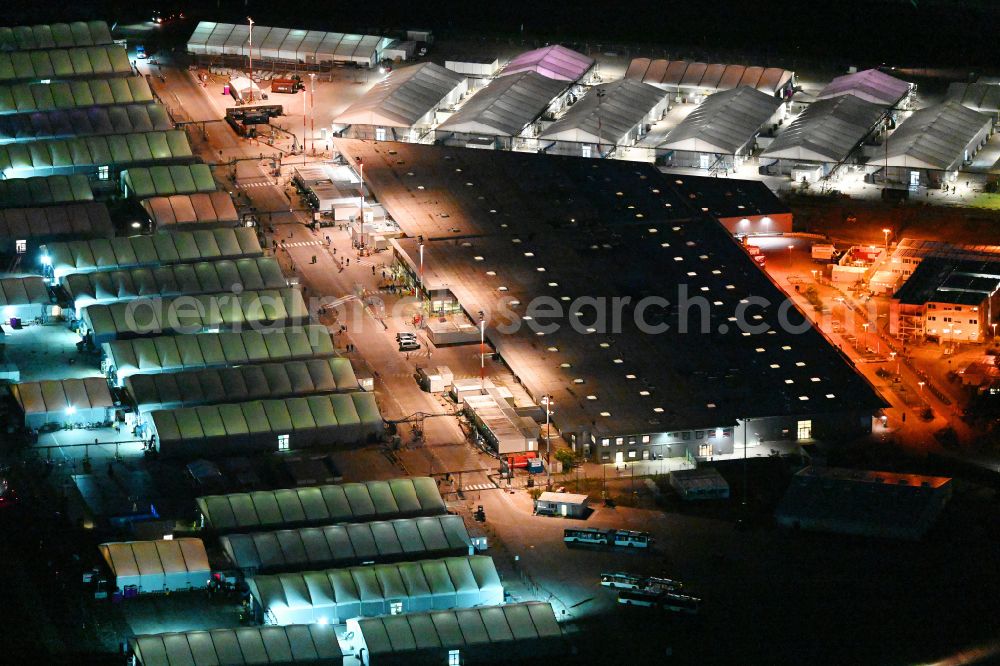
pixel 886 232
pixel 250 42
pixel 548 402
pixel 482 350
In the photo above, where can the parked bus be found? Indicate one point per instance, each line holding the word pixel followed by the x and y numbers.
pixel 680 603
pixel 623 581
pixel 667 584
pixel 624 538
pixel 639 597
pixel 587 535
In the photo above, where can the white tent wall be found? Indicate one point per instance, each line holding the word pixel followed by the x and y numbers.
pixel 335 595
pixel 158 566
pixel 322 505
pixel 23 298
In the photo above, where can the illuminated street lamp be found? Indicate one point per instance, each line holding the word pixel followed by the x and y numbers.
pixel 865 326
pixel 921 387
pixel 790 248
pixel 892 357
pixel 547 401
pixel 885 233
pixel 482 350
pixel 250 42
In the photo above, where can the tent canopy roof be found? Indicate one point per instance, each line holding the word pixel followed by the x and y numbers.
pixel 724 122
pixel 455 629
pixel 55 35
pixel 65 95
pixel 44 190
pixel 168 353
pixel 935 137
pixel 554 61
pixel 625 104
pixel 242 383
pixel 55 397
pixel 403 97
pixel 132 558
pixel 348 502
pixel 978 96
pixel 310 547
pixel 827 131
pixel 23 291
pixel 870 85
pixel 699 76
pixel 505 106
pixel 244 646
pixel 84 220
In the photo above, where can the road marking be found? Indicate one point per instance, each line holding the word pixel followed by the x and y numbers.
pixel 479 486
pixel 303 244
pixel 256 183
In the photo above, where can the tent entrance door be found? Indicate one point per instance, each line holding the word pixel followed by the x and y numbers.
pixel 914 180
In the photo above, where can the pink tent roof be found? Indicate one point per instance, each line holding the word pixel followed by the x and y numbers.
pixel 555 62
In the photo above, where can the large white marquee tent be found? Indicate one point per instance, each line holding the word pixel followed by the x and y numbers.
pixel 726 123
pixel 611 113
pixel 506 106
pixel 827 131
pixel 323 505
pixel 407 97
pixel 158 566
pixel 314 644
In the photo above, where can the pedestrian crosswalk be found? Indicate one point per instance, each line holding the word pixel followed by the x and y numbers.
pixel 303 244
pixel 246 184
pixel 478 486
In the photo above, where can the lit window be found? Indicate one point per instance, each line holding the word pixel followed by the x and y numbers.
pixel 645 439
pixel 619 441
pixel 283 442
pixel 395 608
pixel 605 441
pixel 380 134
pixel 104 172
pixel 454 658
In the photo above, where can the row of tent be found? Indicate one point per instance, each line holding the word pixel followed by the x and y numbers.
pixel 85 400
pixel 71 63
pixel 91 121
pixel 82 220
pixel 335 595
pixel 146 182
pixel 202 210
pixel 67 155
pixel 17 291
pixel 243 646
pixel 171 354
pixel 266 425
pixel 85 256
pixel 348 544
pixel 64 95
pixel 307 46
pixel 407 97
pixel 241 383
pixel 408 497
pixel 611 113
pixel 505 106
pixel 270 308
pixel 45 190
pixel 207 277
pixel 55 36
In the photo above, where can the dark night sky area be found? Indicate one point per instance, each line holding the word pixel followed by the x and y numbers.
pixel 862 32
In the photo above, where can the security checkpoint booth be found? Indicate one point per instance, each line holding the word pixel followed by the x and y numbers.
pixel 333 596
pixel 165 565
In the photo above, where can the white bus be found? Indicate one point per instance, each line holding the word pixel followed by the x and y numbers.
pixel 680 603
pixel 623 581
pixel 639 597
pixel 587 535
pixel 623 538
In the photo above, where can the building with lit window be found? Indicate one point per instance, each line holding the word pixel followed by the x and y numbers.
pixel 608 287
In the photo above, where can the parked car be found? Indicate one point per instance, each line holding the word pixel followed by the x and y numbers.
pixel 408 345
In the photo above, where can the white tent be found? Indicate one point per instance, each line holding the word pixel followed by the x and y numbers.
pixel 610 113
pixel 158 566
pixel 506 106
pixel 145 182
pixel 23 298
pixel 335 595
pixel 66 401
pixel 245 646
pixel 266 425
pixel 134 251
pixel 407 97
pixel 202 210
pixel 54 35
pixel 870 85
pixel 44 190
pixel 83 220
pixel 170 353
pixel 554 62
pixel 685 76
pixel 502 634
pixel 348 544
pixel 978 96
pixel 726 122
pixel 151 392
pixel 827 131
pixel 323 505
pixel 940 137
pixel 205 277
